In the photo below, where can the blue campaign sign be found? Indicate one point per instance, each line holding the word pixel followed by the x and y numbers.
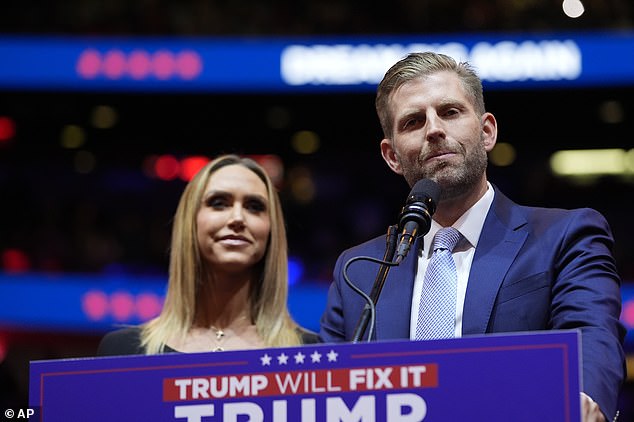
pixel 268 64
pixel 519 377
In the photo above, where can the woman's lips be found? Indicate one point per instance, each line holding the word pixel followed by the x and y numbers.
pixel 234 240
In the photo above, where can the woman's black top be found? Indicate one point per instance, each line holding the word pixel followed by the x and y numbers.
pixel 127 341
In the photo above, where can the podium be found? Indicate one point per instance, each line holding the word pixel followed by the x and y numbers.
pixel 512 377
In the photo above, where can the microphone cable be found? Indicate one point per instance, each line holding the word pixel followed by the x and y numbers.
pixel 369 302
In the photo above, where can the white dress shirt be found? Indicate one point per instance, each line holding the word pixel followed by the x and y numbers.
pixel 470 226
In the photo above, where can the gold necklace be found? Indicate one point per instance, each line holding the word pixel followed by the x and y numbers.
pixel 220 335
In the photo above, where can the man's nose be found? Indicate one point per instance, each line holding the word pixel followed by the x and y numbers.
pixel 435 127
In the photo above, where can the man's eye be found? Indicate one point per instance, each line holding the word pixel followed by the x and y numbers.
pixel 410 123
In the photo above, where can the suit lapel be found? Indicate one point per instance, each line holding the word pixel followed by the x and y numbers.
pixel 394 304
pixel 501 239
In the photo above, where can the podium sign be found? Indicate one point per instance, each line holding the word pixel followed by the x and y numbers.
pixel 518 377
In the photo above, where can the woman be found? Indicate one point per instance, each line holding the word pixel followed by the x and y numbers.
pixel 228 278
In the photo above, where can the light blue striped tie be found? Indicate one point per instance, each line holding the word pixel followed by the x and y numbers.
pixel 437 309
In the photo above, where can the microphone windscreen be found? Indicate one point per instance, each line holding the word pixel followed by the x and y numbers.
pixel 423 189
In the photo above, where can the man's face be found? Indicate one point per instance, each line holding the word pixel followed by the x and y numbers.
pixel 438 134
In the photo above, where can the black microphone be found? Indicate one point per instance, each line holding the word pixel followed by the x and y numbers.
pixel 415 218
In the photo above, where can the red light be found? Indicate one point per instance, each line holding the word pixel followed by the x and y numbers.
pixel 95 304
pixel 89 64
pixel 4 348
pixel 273 166
pixel 7 128
pixel 15 261
pixel 190 166
pixel 139 64
pixel 148 305
pixel 148 165
pixel 164 64
pixel 121 305
pixel 167 167
pixel 189 64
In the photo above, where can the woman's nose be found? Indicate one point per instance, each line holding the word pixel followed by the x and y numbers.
pixel 237 215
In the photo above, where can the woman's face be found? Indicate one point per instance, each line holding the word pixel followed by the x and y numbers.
pixel 233 222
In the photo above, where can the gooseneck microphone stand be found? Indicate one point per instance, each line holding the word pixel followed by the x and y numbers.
pixel 390 248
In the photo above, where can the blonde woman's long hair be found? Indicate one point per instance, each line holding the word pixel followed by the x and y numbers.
pixel 267 295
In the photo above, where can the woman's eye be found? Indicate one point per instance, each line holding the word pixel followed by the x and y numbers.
pixel 256 206
pixel 216 202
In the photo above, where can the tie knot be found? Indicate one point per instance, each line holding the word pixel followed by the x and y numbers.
pixel 446 238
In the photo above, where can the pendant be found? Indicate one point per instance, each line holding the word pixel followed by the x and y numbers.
pixel 220 334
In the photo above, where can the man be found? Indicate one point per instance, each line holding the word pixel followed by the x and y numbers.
pixel 518 268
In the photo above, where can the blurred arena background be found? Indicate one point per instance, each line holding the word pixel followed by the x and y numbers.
pixel 99 134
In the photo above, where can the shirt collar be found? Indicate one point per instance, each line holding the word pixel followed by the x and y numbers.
pixel 469 224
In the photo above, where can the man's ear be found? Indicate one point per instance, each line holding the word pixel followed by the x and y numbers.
pixel 489 131
pixel 390 157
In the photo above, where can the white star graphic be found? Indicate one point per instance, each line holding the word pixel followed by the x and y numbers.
pixel 315 356
pixel 299 357
pixel 282 359
pixel 266 360
pixel 332 356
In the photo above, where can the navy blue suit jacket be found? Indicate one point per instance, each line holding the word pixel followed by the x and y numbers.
pixel 533 269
